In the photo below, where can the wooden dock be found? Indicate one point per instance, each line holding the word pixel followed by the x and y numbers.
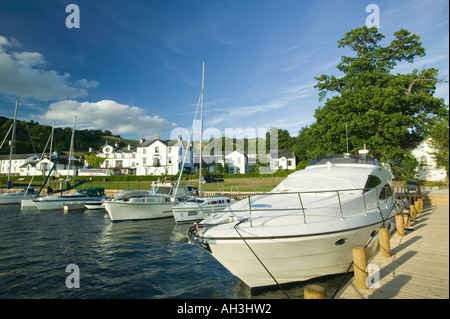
pixel 419 264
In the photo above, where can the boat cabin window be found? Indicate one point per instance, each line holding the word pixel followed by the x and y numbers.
pixel 163 190
pixel 372 182
pixel 386 192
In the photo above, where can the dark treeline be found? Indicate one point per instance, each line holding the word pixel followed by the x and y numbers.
pixel 32 137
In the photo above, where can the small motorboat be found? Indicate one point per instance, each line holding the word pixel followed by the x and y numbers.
pixel 197 208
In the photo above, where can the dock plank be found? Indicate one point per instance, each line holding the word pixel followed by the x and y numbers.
pixel 419 264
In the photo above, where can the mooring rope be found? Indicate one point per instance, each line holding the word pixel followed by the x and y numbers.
pixel 395 205
pixel 262 264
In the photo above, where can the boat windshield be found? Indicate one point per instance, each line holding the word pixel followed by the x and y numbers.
pixel 320 183
pixel 163 190
pixel 343 159
pixel 195 200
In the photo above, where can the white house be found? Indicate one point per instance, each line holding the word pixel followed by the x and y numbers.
pixel 283 159
pixel 17 161
pixel 427 169
pixel 121 160
pixel 39 166
pixel 155 157
pixel 163 157
pixel 237 163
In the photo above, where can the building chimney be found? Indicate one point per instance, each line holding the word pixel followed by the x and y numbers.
pixel 142 140
pixel 157 136
pixel 129 147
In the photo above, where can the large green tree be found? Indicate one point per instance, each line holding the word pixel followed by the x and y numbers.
pixel 390 113
pixel 440 140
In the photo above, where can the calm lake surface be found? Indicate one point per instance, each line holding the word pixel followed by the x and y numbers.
pixel 126 260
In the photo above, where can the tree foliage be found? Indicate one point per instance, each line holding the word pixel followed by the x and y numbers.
pixel 32 137
pixel 440 141
pixel 390 113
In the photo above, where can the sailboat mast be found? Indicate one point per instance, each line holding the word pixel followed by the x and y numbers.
pixel 51 148
pixel 13 136
pixel 71 145
pixel 201 130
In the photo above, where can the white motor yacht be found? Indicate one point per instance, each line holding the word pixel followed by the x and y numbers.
pixel 307 226
pixel 150 205
pixel 197 208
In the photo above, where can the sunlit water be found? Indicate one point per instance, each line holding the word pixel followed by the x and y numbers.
pixel 140 259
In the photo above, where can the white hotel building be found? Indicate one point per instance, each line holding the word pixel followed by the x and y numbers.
pixel 155 157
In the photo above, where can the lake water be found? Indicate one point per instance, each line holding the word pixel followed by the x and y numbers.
pixel 132 260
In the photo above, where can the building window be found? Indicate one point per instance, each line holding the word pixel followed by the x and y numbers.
pixel 423 161
pixel 156 149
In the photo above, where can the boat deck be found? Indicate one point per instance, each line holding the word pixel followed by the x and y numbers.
pixel 419 264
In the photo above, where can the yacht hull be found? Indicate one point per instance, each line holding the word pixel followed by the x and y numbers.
pixel 188 216
pixel 292 259
pixel 13 199
pixel 57 204
pixel 28 204
pixel 121 211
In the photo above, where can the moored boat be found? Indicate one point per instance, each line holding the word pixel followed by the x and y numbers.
pixel 197 208
pixel 154 204
pixel 56 202
pixel 307 226
pixel 16 197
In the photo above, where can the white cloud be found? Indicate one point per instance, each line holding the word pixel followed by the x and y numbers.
pixel 87 84
pixel 107 114
pixel 22 75
pixel 290 107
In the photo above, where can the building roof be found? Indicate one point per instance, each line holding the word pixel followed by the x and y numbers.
pixel 16 156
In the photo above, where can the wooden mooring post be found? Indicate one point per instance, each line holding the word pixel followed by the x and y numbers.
pixel 360 267
pixel 314 292
pixel 412 212
pixel 406 218
pixel 400 225
pixel 385 245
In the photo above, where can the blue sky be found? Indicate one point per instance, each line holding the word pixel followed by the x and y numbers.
pixel 135 67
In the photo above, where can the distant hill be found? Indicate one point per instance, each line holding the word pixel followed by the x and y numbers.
pixel 32 137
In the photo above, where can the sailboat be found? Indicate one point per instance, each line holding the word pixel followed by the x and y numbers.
pixel 27 193
pixel 197 207
pixel 57 202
